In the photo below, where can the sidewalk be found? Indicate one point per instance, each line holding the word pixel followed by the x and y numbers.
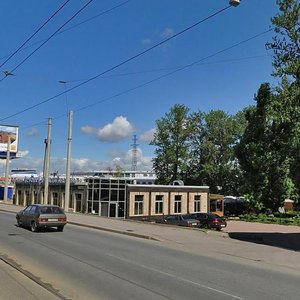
pixel 273 244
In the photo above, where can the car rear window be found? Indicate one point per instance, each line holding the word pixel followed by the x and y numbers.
pixel 51 210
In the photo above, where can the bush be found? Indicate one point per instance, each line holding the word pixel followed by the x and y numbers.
pixel 288 218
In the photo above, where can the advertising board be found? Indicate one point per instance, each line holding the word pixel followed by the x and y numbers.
pixel 12 132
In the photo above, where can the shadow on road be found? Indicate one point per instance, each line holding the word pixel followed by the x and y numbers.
pixel 289 241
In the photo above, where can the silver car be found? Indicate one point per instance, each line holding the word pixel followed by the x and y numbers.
pixel 38 216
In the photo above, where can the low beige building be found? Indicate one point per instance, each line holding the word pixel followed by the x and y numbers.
pixel 153 201
pixel 116 197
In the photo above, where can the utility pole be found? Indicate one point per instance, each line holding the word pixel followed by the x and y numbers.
pixel 7 169
pixel 67 185
pixel 47 162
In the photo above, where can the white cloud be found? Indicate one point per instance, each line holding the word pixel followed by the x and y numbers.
pixel 32 132
pixel 123 160
pixel 147 136
pixel 116 131
pixel 23 153
pixel 167 33
pixel 146 42
pixel 113 132
pixel 89 130
pixel 143 162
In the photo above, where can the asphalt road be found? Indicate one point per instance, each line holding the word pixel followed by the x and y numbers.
pixel 82 263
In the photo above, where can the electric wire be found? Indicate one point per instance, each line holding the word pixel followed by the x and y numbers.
pixel 170 73
pixel 75 25
pixel 195 63
pixel 174 67
pixel 51 36
pixel 120 64
pixel 39 29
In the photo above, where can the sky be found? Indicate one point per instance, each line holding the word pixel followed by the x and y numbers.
pixel 117 77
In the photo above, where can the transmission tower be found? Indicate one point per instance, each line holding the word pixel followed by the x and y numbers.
pixel 134 154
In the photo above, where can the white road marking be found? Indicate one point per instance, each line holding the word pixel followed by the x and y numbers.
pixel 176 277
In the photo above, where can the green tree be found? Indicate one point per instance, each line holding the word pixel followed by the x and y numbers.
pixel 286 41
pixel 171 140
pixel 212 154
pixel 265 151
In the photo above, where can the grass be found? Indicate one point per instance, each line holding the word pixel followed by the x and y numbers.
pixel 290 218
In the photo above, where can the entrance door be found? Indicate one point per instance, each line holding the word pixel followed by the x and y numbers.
pixel 112 210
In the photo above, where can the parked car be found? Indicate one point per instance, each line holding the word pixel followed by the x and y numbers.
pixel 210 220
pixel 38 216
pixel 181 220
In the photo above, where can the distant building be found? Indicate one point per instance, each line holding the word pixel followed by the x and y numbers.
pixel 131 194
pixel 23 173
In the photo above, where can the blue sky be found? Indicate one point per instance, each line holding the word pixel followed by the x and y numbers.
pixel 94 42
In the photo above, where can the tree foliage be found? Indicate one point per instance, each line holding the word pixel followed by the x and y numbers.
pixel 197 148
pixel 257 151
pixel 171 140
pixel 286 41
pixel 212 151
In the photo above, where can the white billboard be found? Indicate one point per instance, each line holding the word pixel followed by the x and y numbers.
pixel 12 132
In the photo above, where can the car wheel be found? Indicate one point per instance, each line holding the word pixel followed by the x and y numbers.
pixel 60 228
pixel 19 222
pixel 33 226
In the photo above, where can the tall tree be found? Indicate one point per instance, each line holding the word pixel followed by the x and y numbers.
pixel 171 140
pixel 253 150
pixel 286 41
pixel 212 151
pixel 265 151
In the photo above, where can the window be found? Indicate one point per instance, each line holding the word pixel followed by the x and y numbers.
pixel 28 208
pixel 159 204
pixel 138 204
pixel 197 203
pixel 55 198
pixel 177 208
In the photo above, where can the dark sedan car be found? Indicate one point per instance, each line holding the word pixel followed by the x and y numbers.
pixel 38 216
pixel 180 220
pixel 210 220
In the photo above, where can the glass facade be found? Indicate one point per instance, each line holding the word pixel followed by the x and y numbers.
pixel 107 196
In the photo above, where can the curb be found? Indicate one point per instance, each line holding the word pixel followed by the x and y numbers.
pixel 143 236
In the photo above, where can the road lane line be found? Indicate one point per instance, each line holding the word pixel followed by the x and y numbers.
pixel 176 277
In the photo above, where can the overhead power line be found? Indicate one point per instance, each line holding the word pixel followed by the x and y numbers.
pixel 170 73
pixel 39 29
pixel 175 67
pixel 51 36
pixel 75 25
pixel 195 63
pixel 120 64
